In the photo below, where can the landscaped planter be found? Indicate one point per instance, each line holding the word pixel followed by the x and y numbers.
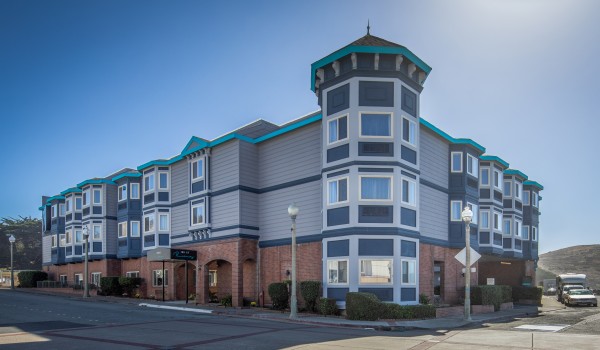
pixel 449 311
pixel 482 309
pixel 506 306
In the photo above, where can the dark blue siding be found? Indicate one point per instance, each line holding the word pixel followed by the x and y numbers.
pixel 376 247
pixel 384 294
pixel 376 93
pixel 338 216
pixel 338 99
pixel 338 248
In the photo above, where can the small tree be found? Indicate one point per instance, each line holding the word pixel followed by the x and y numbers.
pixel 310 291
pixel 279 295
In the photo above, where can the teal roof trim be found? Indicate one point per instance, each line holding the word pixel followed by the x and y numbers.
pixel 534 184
pixel 201 144
pixel 366 49
pixel 450 138
pixel 515 172
pixel 54 198
pixel 95 182
pixel 160 162
pixel 71 190
pixel 289 128
pixel 494 159
pixel 126 175
pixel 41 208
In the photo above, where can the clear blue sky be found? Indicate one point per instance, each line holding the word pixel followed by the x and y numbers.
pixel 90 87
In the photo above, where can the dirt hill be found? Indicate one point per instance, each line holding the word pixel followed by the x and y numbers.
pixel 578 259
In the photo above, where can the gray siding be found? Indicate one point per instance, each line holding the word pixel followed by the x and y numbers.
pixel 225 210
pixel 224 165
pixel 179 181
pixel 110 200
pixel 110 234
pixel 180 219
pixel 434 158
pixel 248 165
pixel 249 209
pixel 291 157
pixel 434 213
pixel 46 249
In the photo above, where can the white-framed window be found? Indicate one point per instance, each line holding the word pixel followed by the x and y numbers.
pixel 96 232
pixel 68 206
pixel 132 274
pixel 122 229
pixel 61 209
pixel 78 278
pixel 198 214
pixel 534 233
pixel 409 131
pixel 53 211
pixel 163 180
pixel 78 236
pixel 212 278
pixel 375 271
pixel 68 237
pixel 409 192
pixel 135 190
pixel 163 222
pixel 337 190
pixel 456 162
pixel 409 272
pixel 62 239
pixel 498 179
pixel 497 220
pixel 506 227
pixel 485 177
pixel 337 129
pixel 63 280
pixel 472 165
pixel 54 243
pixel 97 196
pixel 534 199
pixel 337 271
pixel 507 189
pixel 376 124
pixel 95 280
pixel 525 197
pixel 149 223
pixel 518 190
pixel 160 277
pixel 197 170
pixel 122 192
pixel 485 219
pixel 86 197
pixel 455 210
pixel 517 228
pixel 149 182
pixel 376 188
pixel 135 229
pixel 475 209
pixel 525 232
pixel 78 203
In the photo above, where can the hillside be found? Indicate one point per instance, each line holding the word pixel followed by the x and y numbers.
pixel 578 259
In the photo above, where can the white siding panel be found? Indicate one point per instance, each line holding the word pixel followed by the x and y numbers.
pixel 46 249
pixel 434 156
pixel 434 213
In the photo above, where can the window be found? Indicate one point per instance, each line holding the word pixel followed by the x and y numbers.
pixel 497 219
pixel 86 197
pixel 409 131
pixel 337 191
pixel 63 280
pixel 375 271
pixel 97 197
pixel 375 125
pixel 198 214
pixel 53 209
pixel 497 179
pixel 517 228
pixel 122 192
pixel 78 236
pixel 68 237
pixel 78 278
pixel 456 162
pixel 149 223
pixel 534 199
pixel 149 183
pixel 409 272
pixel 409 192
pixel 526 198
pixel 135 229
pixel 506 227
pixel 375 188
pixel 95 280
pixel 135 190
pixel 97 232
pixel 134 274
pixel 62 239
pixel 54 243
pixel 485 219
pixel 455 210
pixel 525 232
pixel 163 222
pixel 485 177
pixel 163 181
pixel 212 278
pixel 77 203
pixel 197 169
pixel 517 190
pixel 534 232
pixel 337 271
pixel 68 206
pixel 507 188
pixel 472 165
pixel 122 229
pixel 475 209
pixel 338 129
pixel 61 209
pixel 159 277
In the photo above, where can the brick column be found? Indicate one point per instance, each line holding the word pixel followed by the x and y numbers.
pixel 237 283
pixel 202 284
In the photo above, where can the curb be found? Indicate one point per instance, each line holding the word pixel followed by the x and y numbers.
pixel 176 308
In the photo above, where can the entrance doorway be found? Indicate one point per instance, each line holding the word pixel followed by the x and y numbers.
pixel 438 281
pixel 180 288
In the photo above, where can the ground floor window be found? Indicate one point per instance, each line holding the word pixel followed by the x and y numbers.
pixel 409 272
pixel 375 271
pixel 96 278
pixel 159 277
pixel 133 274
pixel 212 278
pixel 78 278
pixel 337 270
pixel 63 280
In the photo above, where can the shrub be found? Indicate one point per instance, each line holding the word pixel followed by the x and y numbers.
pixel 408 312
pixel 423 299
pixel 227 300
pixel 363 306
pixel 30 278
pixel 110 286
pixel 490 295
pixel 327 306
pixel 128 284
pixel 279 295
pixel 310 291
pixel 529 293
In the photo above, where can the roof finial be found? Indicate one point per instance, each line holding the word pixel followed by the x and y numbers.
pixel 368 27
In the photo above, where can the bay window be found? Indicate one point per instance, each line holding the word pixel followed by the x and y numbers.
pixel 375 125
pixel 409 272
pixel 337 271
pixel 456 162
pixel 409 189
pixel 455 210
pixel 409 131
pixel 337 129
pixel 198 214
pixel 375 271
pixel 375 188
pixel 337 191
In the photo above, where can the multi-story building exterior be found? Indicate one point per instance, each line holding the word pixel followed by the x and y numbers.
pixel 380 192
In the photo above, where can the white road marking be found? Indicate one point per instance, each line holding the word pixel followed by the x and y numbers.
pixel 543 327
pixel 177 308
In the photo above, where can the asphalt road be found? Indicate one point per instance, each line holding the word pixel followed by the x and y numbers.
pixel 35 321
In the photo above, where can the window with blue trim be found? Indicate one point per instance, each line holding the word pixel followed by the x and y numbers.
pixel 375 188
pixel 375 125
pixel 338 129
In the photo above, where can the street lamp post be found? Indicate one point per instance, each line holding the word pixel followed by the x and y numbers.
pixel 467 215
pixel 86 235
pixel 12 240
pixel 293 212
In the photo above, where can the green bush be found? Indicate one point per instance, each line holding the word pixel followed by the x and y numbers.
pixel 227 300
pixel 110 286
pixel 527 293
pixel 279 295
pixel 407 312
pixel 506 294
pixel 327 306
pixel 30 278
pixel 490 295
pixel 424 299
pixel 363 306
pixel 310 291
pixel 128 284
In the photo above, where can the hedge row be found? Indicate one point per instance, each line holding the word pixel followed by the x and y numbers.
pixel 366 306
pixel 118 285
pixel 310 290
pixel 491 295
pixel 528 293
pixel 30 278
pixel 279 295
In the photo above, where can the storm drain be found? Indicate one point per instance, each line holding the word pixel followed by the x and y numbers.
pixel 542 327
